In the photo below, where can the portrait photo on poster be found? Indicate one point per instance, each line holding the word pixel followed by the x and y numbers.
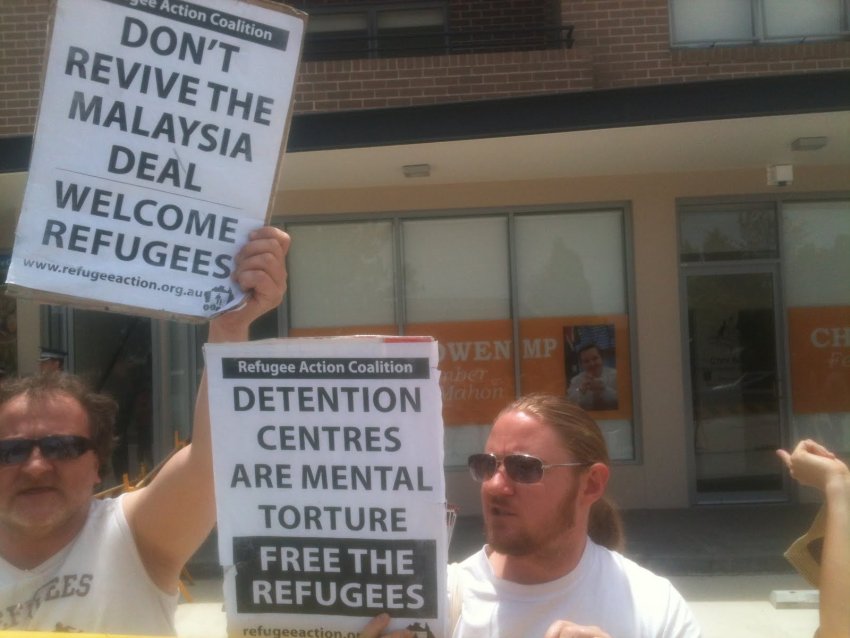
pixel 590 359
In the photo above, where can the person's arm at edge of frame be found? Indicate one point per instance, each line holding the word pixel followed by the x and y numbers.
pixel 813 465
pixel 172 516
pixel 835 562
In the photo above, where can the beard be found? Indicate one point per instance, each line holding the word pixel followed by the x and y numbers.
pixel 528 540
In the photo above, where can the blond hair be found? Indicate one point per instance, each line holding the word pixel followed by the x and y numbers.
pixel 580 435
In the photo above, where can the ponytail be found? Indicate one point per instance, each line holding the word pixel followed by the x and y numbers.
pixel 605 526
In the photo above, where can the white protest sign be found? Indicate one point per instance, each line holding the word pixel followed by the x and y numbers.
pixel 159 136
pixel 328 457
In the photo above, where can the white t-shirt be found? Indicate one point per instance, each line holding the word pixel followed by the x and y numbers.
pixel 96 584
pixel 605 589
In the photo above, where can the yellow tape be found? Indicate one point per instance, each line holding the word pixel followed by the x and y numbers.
pixel 45 634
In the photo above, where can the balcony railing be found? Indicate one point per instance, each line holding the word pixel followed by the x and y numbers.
pixel 324 46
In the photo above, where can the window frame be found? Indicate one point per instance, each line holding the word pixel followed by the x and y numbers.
pixel 372 37
pixel 778 201
pixel 510 213
pixel 759 30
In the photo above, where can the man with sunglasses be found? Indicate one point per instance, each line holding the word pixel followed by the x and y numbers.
pixel 550 568
pixel 542 572
pixel 71 563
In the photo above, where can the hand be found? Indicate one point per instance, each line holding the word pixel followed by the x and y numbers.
pixel 812 464
pixel 378 624
pixel 261 272
pixel 566 629
pixel 592 385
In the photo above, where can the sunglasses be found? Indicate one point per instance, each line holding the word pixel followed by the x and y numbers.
pixel 520 468
pixel 59 447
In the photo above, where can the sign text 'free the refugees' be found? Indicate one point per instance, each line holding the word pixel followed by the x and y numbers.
pixel 332 479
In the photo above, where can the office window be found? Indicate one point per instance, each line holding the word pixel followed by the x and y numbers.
pixel 718 22
pixel 795 20
pixel 735 232
pixel 816 255
pixel 443 283
pixel 703 21
pixel 573 315
pixel 571 263
pixel 457 289
pixel 342 278
pixel 513 299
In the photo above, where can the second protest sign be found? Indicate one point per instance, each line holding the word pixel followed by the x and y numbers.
pixel 328 459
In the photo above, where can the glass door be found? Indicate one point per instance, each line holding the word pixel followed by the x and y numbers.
pixel 735 382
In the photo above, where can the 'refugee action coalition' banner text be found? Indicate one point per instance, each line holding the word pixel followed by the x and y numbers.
pixel 328 458
pixel 159 137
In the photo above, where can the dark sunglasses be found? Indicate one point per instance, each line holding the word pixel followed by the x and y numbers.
pixel 59 447
pixel 520 468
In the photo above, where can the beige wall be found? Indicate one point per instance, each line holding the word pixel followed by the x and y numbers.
pixel 660 480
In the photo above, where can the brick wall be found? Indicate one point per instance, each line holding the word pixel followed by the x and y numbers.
pixel 629 41
pixel 476 15
pixel 475 18
pixel 617 43
pixel 358 84
pixel 23 29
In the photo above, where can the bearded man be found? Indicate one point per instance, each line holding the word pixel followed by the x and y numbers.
pixel 73 563
pixel 550 568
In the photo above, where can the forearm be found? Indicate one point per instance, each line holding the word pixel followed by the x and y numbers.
pixel 835 562
pixel 222 330
pixel 188 502
pixel 228 328
pixel 171 517
pixel 197 475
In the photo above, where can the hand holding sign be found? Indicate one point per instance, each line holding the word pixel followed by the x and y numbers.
pixel 160 133
pixel 261 272
pixel 378 624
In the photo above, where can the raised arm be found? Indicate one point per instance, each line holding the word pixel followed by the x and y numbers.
pixel 813 465
pixel 172 516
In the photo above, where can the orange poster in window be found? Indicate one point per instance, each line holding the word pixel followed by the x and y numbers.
pixel 586 358
pixel 343 331
pixel 476 365
pixel 819 344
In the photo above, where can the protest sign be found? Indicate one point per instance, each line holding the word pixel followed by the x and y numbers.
pixel 328 458
pixel 158 142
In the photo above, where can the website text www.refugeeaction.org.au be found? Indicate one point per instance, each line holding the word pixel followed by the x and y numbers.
pixel 282 632
pixel 96 275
